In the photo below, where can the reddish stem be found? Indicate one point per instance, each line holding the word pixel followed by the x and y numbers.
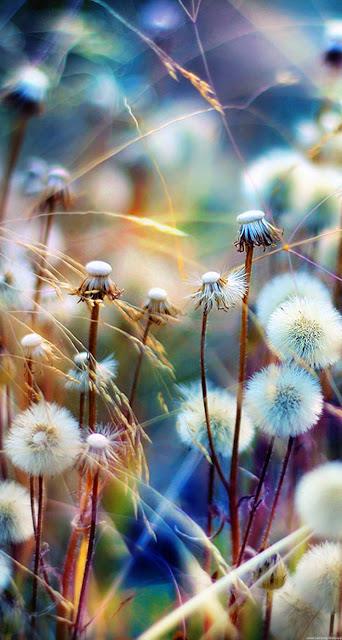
pixel 14 150
pixel 94 321
pixel 38 534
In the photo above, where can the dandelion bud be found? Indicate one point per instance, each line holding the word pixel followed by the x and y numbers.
pixel 158 305
pixel 191 425
pixel 27 90
pixel 44 440
pixel 319 500
pixel 318 576
pixel 306 330
pixel 223 290
pixel 98 284
pixel 256 231
pixel 35 347
pixel 15 513
pixel 271 574
pixel 284 400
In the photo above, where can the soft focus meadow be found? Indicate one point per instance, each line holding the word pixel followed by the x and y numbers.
pixel 170 326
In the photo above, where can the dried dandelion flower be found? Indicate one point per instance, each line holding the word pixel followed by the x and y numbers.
pixel 286 286
pixel 15 513
pixel 80 378
pixel 35 347
pixel 319 499
pixel 158 306
pixel 191 425
pixel 318 576
pixel 224 290
pixel 295 619
pixel 43 440
pixel 16 284
pixel 27 90
pixel 98 284
pixel 57 192
pixel 283 400
pixel 271 574
pixel 308 330
pixel 101 448
pixel 256 231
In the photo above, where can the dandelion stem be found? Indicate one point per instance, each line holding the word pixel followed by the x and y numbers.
pixel 233 497
pixel 256 500
pixel 268 615
pixel 94 322
pixel 38 535
pixel 15 147
pixel 214 458
pixel 277 493
pixel 139 363
pixel 331 624
pixel 90 550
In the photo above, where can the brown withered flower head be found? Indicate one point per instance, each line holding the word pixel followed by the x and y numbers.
pixel 98 285
pixel 256 231
pixel 158 306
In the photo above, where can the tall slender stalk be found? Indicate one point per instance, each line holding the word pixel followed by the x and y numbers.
pixel 277 493
pixel 93 329
pixel 38 536
pixel 331 624
pixel 256 500
pixel 15 146
pixel 139 363
pixel 268 615
pixel 233 488
pixel 91 542
pixel 214 458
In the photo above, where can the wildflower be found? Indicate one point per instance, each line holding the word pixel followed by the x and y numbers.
pixel 191 425
pixel 284 400
pixel 318 576
pixel 43 440
pixel 295 619
pixel 158 305
pixel 285 286
pixel 15 513
pixel 319 499
pixel 223 289
pixel 256 231
pixel 16 284
pixel 36 347
pixel 98 284
pixel 57 193
pixel 101 448
pixel 27 90
pixel 271 574
pixel 80 379
pixel 308 330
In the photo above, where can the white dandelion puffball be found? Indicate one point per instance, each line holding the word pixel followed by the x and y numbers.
pixel 15 513
pixel 294 619
pixel 285 286
pixel 79 378
pixel 318 576
pixel 5 571
pixel 319 500
pixel 283 400
pixel 191 424
pixel 43 440
pixel 223 290
pixel 306 330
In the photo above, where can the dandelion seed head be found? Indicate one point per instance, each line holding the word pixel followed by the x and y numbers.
pixel 98 284
pixel 43 440
pixel 224 290
pixel 319 500
pixel 102 448
pixel 158 306
pixel 27 89
pixel 158 294
pixel 191 425
pixel 295 619
pixel 285 286
pixel 15 513
pixel 36 347
pixel 306 330
pixel 256 231
pixel 79 378
pixel 318 576
pixel 283 400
